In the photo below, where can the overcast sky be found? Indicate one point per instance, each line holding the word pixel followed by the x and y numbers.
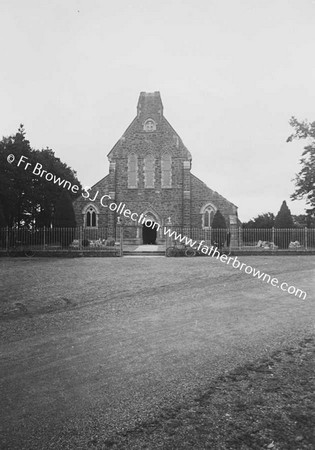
pixel 231 74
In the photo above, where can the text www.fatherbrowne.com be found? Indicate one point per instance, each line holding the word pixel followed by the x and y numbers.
pixel 236 263
pixel 141 219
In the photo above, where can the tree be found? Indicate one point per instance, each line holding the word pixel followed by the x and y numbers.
pixel 266 220
pixel 3 222
pixel 260 228
pixel 48 193
pixel 64 218
pixel 15 186
pixel 305 179
pixel 283 220
pixel 303 220
pixel 64 214
pixel 218 220
pixel 29 200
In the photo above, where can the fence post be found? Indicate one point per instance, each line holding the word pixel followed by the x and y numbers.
pixel 168 240
pixel 44 242
pixel 121 235
pixel 239 237
pixel 7 239
pixel 273 235
pixel 80 237
pixel 121 240
pixel 305 237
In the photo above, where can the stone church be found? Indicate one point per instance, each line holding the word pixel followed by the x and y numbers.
pixel 150 173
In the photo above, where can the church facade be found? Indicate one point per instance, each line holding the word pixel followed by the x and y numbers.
pixel 150 175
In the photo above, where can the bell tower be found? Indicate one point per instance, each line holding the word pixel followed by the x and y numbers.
pixel 150 109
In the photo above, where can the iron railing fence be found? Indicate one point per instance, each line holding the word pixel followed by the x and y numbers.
pixel 78 238
pixel 239 238
pixel 209 236
pixel 278 238
pixel 98 239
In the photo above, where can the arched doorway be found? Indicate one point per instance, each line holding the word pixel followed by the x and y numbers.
pixel 148 234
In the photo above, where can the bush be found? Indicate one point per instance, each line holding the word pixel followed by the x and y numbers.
pixel 219 234
pixel 85 243
pixel 110 242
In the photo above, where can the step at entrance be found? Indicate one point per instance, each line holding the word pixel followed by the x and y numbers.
pixel 146 250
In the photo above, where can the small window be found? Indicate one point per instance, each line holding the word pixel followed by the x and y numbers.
pixel 149 125
pixel 166 166
pixel 149 171
pixel 176 140
pixel 132 171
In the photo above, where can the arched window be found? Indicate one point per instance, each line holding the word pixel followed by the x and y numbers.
pixel 207 218
pixel 208 212
pixel 149 171
pixel 166 166
pixel 132 171
pixel 91 218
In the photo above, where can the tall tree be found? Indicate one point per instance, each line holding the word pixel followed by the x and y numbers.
pixel 305 179
pixel 284 218
pixel 15 186
pixel 29 200
pixel 48 193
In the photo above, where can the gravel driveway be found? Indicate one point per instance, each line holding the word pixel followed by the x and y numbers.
pixel 92 346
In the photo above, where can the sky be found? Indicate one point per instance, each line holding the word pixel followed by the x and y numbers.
pixel 231 73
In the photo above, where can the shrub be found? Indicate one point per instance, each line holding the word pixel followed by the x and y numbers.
pixel 110 242
pixel 218 225
pixel 85 243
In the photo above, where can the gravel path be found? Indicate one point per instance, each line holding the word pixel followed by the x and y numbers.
pixel 93 346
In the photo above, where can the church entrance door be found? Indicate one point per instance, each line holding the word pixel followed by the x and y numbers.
pixel 148 234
